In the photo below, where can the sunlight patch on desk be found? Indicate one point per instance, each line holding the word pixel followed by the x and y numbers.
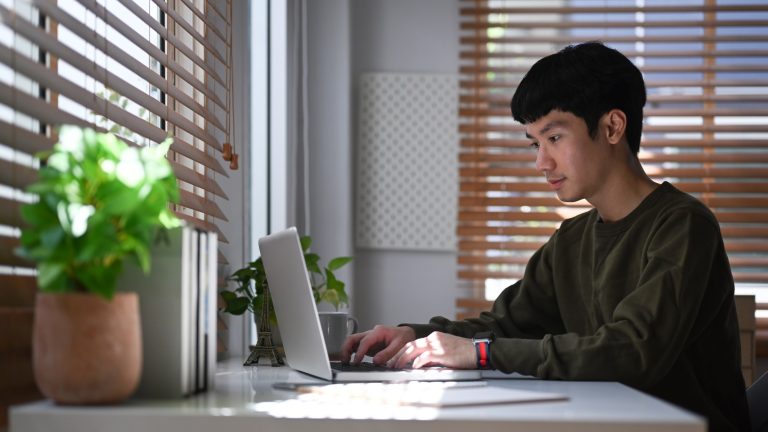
pixel 311 407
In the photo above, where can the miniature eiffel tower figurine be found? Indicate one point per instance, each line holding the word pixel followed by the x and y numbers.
pixel 264 345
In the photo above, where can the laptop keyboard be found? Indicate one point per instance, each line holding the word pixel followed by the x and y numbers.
pixel 362 367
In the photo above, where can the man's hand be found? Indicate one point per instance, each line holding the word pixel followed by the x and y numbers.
pixel 441 349
pixel 382 343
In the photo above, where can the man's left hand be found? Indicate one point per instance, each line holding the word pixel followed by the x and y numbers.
pixel 437 349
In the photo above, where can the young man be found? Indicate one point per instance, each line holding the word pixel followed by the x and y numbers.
pixel 637 290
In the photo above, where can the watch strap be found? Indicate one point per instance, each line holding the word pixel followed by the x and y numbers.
pixel 482 342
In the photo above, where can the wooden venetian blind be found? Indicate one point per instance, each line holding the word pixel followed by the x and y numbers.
pixel 143 69
pixel 706 123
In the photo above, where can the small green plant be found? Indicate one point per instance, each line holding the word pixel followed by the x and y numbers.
pixel 251 280
pixel 100 202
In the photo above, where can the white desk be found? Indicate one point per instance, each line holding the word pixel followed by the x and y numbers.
pixel 245 401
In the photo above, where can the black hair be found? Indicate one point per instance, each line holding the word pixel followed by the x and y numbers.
pixel 587 80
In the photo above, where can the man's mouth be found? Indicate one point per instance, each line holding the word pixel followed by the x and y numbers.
pixel 555 183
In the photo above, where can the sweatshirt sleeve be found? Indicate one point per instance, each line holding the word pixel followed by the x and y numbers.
pixel 651 325
pixel 522 314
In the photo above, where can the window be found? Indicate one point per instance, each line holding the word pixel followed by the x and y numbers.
pixel 706 127
pixel 144 69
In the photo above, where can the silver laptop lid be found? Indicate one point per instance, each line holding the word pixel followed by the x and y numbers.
pixel 294 303
pixel 300 326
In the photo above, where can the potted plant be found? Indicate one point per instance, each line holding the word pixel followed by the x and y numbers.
pixel 251 281
pixel 100 202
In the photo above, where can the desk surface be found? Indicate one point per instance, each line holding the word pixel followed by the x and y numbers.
pixel 245 400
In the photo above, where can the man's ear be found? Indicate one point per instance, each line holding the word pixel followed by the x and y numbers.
pixel 615 123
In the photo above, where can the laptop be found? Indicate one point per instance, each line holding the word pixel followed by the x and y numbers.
pixel 300 330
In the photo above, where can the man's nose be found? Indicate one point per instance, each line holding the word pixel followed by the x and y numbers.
pixel 544 162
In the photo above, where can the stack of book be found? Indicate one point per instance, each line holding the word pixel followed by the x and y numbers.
pixel 178 313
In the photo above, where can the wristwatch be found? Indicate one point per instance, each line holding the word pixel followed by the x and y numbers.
pixel 482 342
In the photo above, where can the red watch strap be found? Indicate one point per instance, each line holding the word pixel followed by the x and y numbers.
pixel 481 348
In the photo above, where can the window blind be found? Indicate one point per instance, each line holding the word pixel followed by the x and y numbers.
pixel 705 129
pixel 143 69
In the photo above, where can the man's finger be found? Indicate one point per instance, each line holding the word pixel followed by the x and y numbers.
pixel 350 344
pixel 406 355
pixel 369 340
pixel 386 354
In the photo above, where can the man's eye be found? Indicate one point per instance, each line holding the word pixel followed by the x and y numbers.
pixel 535 145
pixel 554 138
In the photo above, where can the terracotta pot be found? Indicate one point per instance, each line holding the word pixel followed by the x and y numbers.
pixel 87 350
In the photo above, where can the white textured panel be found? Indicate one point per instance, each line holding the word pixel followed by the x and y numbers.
pixel 407 162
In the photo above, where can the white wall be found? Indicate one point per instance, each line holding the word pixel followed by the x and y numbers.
pixel 347 38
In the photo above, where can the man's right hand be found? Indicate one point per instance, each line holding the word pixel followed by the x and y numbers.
pixel 382 343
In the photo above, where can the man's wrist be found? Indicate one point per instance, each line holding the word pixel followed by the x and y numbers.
pixel 482 342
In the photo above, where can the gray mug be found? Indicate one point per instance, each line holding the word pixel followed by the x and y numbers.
pixel 336 326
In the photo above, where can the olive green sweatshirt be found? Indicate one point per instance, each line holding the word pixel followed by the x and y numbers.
pixel 646 301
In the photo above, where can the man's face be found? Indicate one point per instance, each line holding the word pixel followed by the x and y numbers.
pixel 574 165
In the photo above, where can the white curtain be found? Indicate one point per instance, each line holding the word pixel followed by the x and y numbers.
pixel 298 118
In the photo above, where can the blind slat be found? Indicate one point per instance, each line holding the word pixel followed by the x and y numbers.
pixel 720 143
pixel 200 15
pixel 553 38
pixel 744 172
pixel 193 177
pixel 23 140
pixel 683 68
pixel 717 202
pixel 38 108
pixel 11 215
pixel 480 128
pixel 198 203
pixel 698 157
pixel 7 255
pixel 134 65
pixel 489 113
pixel 16 175
pixel 121 116
pixel 606 9
pixel 487 100
pixel 203 224
pixel 109 18
pixel 178 19
pixel 517 216
pixel 87 66
pixel 740 187
pixel 482 82
pixel 535 24
pixel 535 55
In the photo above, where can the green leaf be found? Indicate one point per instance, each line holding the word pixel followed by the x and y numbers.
pixel 331 281
pixel 117 198
pixel 312 259
pixel 306 242
pixel 52 237
pixel 243 274
pixel 49 275
pixel 144 256
pixel 237 305
pixel 259 266
pixel 130 170
pixel 343 299
pixel 227 295
pixel 331 297
pixel 338 263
